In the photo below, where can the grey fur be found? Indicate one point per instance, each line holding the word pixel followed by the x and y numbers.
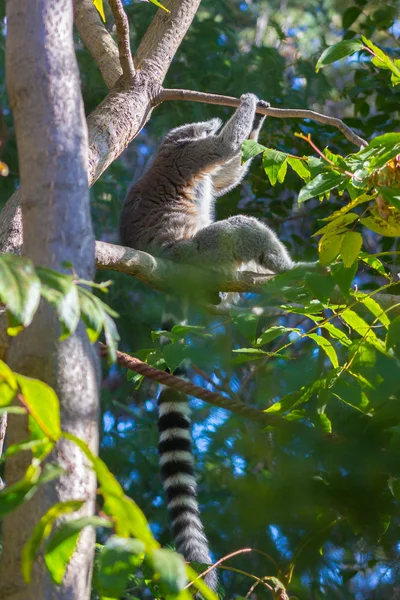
pixel 170 210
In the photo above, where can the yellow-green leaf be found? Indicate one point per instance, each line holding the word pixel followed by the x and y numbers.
pixel 41 532
pixel 351 246
pixel 43 405
pixel 362 328
pixel 389 228
pixel 329 247
pixel 326 346
pixel 374 308
pixel 99 5
pixel 338 224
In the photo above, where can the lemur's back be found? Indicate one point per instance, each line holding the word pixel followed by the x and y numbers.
pixel 171 202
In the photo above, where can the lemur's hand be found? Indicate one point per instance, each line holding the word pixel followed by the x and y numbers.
pixel 258 119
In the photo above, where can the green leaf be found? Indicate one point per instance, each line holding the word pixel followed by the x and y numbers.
pixel 345 209
pixel 42 531
pixel 374 263
pixel 247 324
pixel 299 166
pixel 250 148
pixel 17 493
pixel 99 5
pixel 351 246
pixel 174 355
pixel 389 227
pixel 326 346
pixel 129 519
pixel 8 385
pixel 43 405
pixel 361 327
pixel 19 291
pixel 169 571
pixel 61 545
pixel 323 422
pixel 117 560
pixel 273 161
pixel 320 285
pixel 337 334
pixel 337 225
pixel 393 334
pixel 273 332
pixel 391 195
pixel 329 247
pixel 374 308
pixel 61 292
pixel 182 330
pixel 344 277
pixel 387 140
pixel 323 183
pixel 338 51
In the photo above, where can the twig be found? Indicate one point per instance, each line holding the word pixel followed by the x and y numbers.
pixel 176 383
pixel 124 48
pixel 280 113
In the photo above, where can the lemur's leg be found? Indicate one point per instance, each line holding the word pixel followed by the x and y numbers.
pixel 232 172
pixel 232 242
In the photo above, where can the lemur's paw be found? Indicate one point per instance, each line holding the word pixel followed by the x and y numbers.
pixel 263 104
pixel 248 99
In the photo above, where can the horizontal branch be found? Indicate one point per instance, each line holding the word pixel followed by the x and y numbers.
pixel 166 276
pixel 176 383
pixel 280 113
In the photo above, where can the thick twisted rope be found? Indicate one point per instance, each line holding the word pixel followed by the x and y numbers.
pixel 138 366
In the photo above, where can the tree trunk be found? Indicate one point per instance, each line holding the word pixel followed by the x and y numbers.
pixel 44 92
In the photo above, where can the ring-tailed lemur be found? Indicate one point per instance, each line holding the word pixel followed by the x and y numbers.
pixel 169 211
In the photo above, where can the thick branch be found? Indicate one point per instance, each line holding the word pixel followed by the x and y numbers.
pixel 163 37
pixel 176 383
pixel 280 113
pixel 165 275
pixel 124 47
pixel 97 40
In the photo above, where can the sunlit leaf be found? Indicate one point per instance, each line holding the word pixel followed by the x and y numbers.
pixel 42 531
pixel 273 332
pixel 374 307
pixel 19 291
pixel 374 263
pixel 326 346
pixel 99 5
pixel 42 403
pixel 337 225
pixel 337 334
pixel 351 246
pixel 273 161
pixel 389 228
pixel 323 183
pixel 338 51
pixel 250 148
pixel 156 3
pixel 300 167
pixel 329 247
pixel 361 327
pixel 61 545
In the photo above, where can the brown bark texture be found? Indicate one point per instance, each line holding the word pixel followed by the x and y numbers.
pixel 44 92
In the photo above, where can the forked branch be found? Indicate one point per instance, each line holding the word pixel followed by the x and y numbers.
pixel 124 48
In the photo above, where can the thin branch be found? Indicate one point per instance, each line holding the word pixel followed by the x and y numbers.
pixel 97 40
pixel 176 383
pixel 124 48
pixel 280 113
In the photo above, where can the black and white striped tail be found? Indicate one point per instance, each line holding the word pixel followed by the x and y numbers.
pixel 177 473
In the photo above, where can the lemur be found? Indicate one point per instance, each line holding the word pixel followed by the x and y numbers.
pixel 170 212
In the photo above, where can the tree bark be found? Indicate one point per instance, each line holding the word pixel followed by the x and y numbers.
pixel 44 92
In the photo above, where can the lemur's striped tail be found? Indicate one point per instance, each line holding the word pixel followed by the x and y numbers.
pixel 177 473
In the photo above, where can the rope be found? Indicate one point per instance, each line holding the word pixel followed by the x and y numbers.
pixel 176 383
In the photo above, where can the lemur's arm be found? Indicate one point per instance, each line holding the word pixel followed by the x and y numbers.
pixel 232 172
pixel 198 154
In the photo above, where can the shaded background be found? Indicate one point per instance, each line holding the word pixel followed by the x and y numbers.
pixel 322 507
